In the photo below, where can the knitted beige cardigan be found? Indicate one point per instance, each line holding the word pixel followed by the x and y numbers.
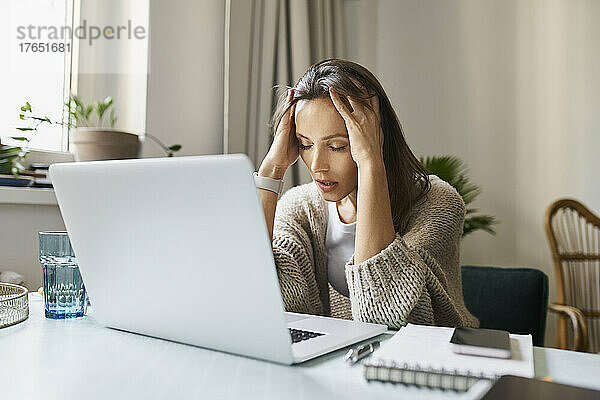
pixel 415 279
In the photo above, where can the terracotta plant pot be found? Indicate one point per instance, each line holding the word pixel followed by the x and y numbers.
pixel 104 144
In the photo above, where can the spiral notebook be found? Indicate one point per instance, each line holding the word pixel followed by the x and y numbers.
pixel 422 355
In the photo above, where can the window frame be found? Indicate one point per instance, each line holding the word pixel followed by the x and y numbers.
pixel 69 85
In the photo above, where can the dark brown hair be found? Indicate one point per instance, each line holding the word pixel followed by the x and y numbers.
pixel 408 182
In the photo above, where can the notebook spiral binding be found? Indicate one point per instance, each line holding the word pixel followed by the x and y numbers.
pixel 422 376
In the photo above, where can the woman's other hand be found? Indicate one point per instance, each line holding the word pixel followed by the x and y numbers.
pixel 284 150
pixel 364 128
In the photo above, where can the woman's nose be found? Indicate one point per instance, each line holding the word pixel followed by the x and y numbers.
pixel 320 161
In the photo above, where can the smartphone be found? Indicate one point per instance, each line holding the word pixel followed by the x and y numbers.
pixel 481 342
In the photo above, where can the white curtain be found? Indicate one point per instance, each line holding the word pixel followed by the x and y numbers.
pixel 269 43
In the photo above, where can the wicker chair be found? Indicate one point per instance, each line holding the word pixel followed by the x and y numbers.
pixel 574 235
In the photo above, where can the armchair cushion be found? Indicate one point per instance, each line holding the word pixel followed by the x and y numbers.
pixel 511 299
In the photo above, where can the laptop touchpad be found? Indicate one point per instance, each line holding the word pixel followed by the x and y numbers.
pixel 294 317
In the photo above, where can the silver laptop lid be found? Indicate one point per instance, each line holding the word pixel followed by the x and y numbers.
pixel 176 248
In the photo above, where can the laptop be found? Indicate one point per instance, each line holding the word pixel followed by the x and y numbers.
pixel 178 249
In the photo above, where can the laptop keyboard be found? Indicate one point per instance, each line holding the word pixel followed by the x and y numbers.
pixel 299 335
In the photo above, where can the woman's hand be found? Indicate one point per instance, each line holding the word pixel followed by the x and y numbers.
pixel 284 150
pixel 364 129
pixel 374 222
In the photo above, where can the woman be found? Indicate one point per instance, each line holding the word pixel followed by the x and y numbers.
pixel 374 237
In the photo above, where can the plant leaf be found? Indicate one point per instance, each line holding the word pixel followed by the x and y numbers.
pixel 41 119
pixel 175 147
pixel 26 107
pixel 99 109
pixel 483 222
pixel 9 152
pixel 113 118
pixel 77 101
pixel 452 170
pixel 26 129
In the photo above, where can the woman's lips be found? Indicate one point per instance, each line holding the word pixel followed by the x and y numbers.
pixel 326 186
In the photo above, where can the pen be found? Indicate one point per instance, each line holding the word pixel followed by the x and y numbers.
pixel 353 355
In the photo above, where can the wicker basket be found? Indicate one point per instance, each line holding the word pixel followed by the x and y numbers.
pixel 14 304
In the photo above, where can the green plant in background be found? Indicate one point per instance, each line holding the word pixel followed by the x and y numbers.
pixel 82 116
pixel 10 160
pixel 12 156
pixel 96 115
pixel 453 170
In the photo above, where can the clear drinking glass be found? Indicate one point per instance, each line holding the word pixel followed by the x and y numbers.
pixel 64 292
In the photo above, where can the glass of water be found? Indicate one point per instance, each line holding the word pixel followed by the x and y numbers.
pixel 64 292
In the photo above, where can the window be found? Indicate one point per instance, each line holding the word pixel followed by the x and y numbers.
pixel 43 78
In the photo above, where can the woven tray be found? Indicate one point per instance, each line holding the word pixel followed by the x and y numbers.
pixel 14 305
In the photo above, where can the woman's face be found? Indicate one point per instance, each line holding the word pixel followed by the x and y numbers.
pixel 325 148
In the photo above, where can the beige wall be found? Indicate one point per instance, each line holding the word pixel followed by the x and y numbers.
pixel 513 88
pixel 185 76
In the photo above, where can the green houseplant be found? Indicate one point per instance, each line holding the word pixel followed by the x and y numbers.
pixel 453 170
pixel 12 156
pixel 10 159
pixel 94 136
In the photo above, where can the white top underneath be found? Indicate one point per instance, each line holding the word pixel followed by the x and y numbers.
pixel 339 243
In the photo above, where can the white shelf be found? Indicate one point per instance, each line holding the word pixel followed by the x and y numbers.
pixel 34 196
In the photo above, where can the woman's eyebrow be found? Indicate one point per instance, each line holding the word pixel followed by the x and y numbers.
pixel 342 135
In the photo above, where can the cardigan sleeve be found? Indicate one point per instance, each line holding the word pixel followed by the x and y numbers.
pixel 405 282
pixel 294 257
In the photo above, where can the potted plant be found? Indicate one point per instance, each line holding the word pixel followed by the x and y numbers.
pixel 452 170
pixel 10 159
pixel 93 134
pixel 10 165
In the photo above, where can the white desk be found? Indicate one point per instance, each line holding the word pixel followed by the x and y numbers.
pixel 77 359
